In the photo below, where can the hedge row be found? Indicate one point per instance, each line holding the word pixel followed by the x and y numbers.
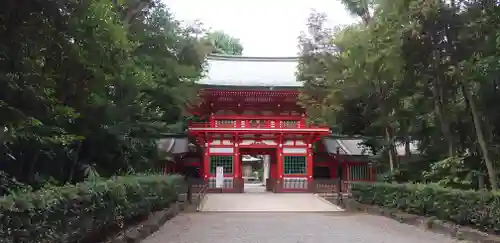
pixel 479 209
pixel 73 212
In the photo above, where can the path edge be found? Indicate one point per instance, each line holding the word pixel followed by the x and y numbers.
pixel 341 209
pixel 427 223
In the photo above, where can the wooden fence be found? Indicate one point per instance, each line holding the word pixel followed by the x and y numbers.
pixel 318 186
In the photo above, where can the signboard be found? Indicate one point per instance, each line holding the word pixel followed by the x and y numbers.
pixel 219 177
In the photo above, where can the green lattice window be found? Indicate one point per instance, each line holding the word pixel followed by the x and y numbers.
pixel 225 161
pixel 294 165
pixel 360 172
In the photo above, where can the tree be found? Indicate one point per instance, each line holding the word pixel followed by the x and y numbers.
pixel 411 70
pixel 223 43
pixel 90 84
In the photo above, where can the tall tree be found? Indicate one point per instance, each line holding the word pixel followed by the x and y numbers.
pixel 411 70
pixel 88 86
pixel 223 43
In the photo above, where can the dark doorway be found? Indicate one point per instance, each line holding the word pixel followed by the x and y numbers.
pixel 321 172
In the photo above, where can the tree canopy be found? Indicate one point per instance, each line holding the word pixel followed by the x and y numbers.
pixel 222 43
pixel 87 86
pixel 411 70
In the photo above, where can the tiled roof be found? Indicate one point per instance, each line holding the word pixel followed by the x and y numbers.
pixel 346 146
pixel 354 146
pixel 251 71
pixel 173 145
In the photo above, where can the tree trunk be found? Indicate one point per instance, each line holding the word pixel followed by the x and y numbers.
pixel 31 171
pixel 75 162
pixel 388 138
pixel 133 10
pixel 469 98
pixel 407 139
pixel 443 121
pixel 407 147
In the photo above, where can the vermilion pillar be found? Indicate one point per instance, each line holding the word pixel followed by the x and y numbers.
pixel 279 165
pixel 206 162
pixel 309 169
pixel 238 185
pixel 236 161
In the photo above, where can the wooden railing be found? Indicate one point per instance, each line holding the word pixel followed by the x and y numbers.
pixel 199 188
pixel 270 184
pixel 201 194
pixel 246 124
pixel 326 186
pixel 331 186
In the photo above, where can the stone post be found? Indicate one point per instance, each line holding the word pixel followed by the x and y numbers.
pixel 267 165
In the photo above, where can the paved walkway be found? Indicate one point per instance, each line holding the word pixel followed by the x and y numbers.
pixel 241 218
pixel 266 202
pixel 289 228
pixel 254 188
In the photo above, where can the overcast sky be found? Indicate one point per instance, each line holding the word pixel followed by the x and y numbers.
pixel 265 27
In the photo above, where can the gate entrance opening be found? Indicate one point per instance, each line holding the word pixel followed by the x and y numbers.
pixel 258 167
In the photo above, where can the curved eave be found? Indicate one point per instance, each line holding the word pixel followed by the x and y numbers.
pixel 251 59
pixel 248 87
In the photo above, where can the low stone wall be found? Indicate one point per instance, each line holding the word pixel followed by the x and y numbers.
pixel 428 223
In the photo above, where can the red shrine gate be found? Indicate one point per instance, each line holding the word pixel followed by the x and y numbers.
pixel 281 132
pixel 249 106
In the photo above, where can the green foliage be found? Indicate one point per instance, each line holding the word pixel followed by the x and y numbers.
pixel 86 87
pixel 411 70
pixel 478 209
pixel 455 172
pixel 222 43
pixel 260 173
pixel 9 185
pixel 70 213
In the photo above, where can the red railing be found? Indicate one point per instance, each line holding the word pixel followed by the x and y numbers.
pixel 248 124
pixel 199 188
pixel 331 186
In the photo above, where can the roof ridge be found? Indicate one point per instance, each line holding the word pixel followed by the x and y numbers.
pixel 252 58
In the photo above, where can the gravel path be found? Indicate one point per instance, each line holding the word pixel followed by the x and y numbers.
pixel 333 227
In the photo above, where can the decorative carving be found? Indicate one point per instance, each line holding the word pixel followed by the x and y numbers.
pixel 257 142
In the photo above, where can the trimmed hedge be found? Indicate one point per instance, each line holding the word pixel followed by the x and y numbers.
pixel 73 212
pixel 478 209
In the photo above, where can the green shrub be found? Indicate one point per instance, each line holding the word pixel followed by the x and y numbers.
pixel 71 213
pixel 480 209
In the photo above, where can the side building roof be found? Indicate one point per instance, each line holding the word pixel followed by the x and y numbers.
pixel 355 146
pixel 172 144
pixel 258 72
pixel 346 146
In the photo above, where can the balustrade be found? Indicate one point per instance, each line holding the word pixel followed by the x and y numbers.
pixel 253 123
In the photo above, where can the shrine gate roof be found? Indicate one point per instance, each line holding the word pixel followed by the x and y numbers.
pixel 259 72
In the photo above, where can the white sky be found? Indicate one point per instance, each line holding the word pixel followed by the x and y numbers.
pixel 264 27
